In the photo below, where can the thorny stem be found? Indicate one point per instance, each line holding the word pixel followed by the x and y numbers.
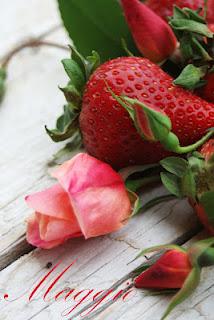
pixel 32 43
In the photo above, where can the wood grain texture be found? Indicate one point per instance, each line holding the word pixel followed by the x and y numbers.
pixel 31 102
pixel 21 19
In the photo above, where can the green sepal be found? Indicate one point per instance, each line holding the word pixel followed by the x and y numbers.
pixel 207 202
pixel 188 184
pixel 188 288
pixel 74 72
pixel 72 95
pixel 172 184
pixel 160 248
pixel 88 65
pixel 193 35
pixel 191 77
pixel 136 177
pixel 155 201
pixel 136 184
pixel 202 252
pixel 135 202
pixel 175 165
pixel 158 125
pixel 3 76
pixel 191 26
pixel 66 125
pixel 78 70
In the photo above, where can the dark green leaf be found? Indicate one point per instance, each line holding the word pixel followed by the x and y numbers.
pixel 207 202
pixel 192 26
pixel 66 126
pixel 157 200
pixel 193 15
pixel 172 184
pixel 175 165
pixel 179 13
pixel 96 25
pixel 190 77
pixel 188 185
pixel 75 73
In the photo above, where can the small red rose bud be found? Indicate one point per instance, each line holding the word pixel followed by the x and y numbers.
pixel 169 272
pixel 153 36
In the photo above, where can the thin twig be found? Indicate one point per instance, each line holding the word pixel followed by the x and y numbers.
pixel 32 43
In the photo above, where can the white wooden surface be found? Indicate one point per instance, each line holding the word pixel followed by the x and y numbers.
pixel 31 102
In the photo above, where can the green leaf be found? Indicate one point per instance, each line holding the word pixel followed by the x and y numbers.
pixel 75 73
pixel 179 13
pixel 190 77
pixel 188 184
pixel 157 200
pixel 96 25
pixel 207 202
pixel 66 126
pixel 128 171
pixel 175 165
pixel 192 26
pixel 135 184
pixel 188 288
pixel 159 248
pixel 193 15
pixel 172 184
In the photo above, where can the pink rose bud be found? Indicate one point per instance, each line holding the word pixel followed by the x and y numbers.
pixel 210 14
pixel 169 272
pixel 90 199
pixel 153 36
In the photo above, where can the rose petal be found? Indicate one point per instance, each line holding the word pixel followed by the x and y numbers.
pixel 84 171
pixel 53 202
pixel 33 235
pixel 97 193
pixel 101 211
pixel 51 229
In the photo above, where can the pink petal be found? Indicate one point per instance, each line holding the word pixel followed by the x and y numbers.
pixel 53 202
pixel 54 220
pixel 33 235
pixel 51 229
pixel 97 193
pixel 84 171
pixel 101 210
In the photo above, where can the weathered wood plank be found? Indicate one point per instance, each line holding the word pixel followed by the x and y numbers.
pixel 101 261
pixel 32 100
pixel 22 19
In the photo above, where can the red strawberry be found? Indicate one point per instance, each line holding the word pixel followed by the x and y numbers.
pixel 164 8
pixel 207 91
pixel 108 132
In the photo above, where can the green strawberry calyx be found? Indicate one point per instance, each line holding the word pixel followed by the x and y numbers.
pixel 196 47
pixel 78 70
pixel 192 178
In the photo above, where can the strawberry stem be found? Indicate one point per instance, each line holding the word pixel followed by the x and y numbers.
pixel 155 126
pixel 194 146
